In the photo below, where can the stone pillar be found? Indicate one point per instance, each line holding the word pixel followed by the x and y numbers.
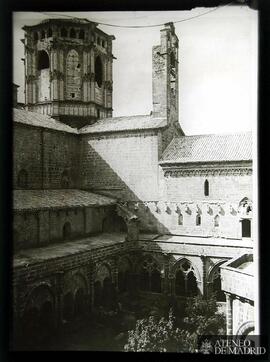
pixel 171 284
pixel 203 286
pixel 229 314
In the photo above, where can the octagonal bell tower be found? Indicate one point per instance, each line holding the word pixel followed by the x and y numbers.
pixel 68 70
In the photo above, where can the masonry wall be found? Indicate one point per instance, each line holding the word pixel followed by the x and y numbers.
pixel 228 188
pixel 45 154
pixel 185 202
pixel 60 154
pixel 27 154
pixel 121 165
pixel 242 311
pixel 37 228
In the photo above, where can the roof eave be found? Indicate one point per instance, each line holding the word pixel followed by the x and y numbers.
pixel 187 163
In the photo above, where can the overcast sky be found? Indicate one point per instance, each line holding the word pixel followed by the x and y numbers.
pixel 217 64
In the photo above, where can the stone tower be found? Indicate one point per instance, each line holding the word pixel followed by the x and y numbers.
pixel 165 80
pixel 68 70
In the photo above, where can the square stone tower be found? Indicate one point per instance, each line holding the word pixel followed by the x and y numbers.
pixel 68 70
pixel 165 82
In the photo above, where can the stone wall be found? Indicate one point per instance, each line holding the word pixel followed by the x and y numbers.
pixel 45 154
pixel 40 227
pixel 123 165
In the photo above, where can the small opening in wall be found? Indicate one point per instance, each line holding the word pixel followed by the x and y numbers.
pixel 180 219
pixel 216 220
pixel 79 66
pixel 72 95
pixel 98 113
pixel 206 188
pixel 246 228
pixel 103 43
pixel 198 219
pixel 43 60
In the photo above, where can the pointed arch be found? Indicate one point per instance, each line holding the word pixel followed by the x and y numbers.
pixel 214 281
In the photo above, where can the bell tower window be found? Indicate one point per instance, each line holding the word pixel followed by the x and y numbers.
pixel 98 71
pixel 43 60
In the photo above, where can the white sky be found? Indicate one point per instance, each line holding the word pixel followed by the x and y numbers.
pixel 217 64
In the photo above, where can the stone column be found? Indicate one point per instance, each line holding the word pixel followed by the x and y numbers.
pixel 204 286
pixel 229 314
pixel 171 284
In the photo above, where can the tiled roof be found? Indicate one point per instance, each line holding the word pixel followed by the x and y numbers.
pixel 129 123
pixel 59 199
pixel 40 120
pixel 211 148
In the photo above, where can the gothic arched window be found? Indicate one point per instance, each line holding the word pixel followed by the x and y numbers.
pixel 73 75
pixel 23 179
pixel 185 279
pixel 150 276
pixel 206 188
pixel 43 60
pixel 98 71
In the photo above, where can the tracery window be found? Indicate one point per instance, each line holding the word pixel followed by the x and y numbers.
pixel 73 75
pixel 150 276
pixel 185 279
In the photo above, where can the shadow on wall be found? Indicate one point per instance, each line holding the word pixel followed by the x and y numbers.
pixel 100 177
